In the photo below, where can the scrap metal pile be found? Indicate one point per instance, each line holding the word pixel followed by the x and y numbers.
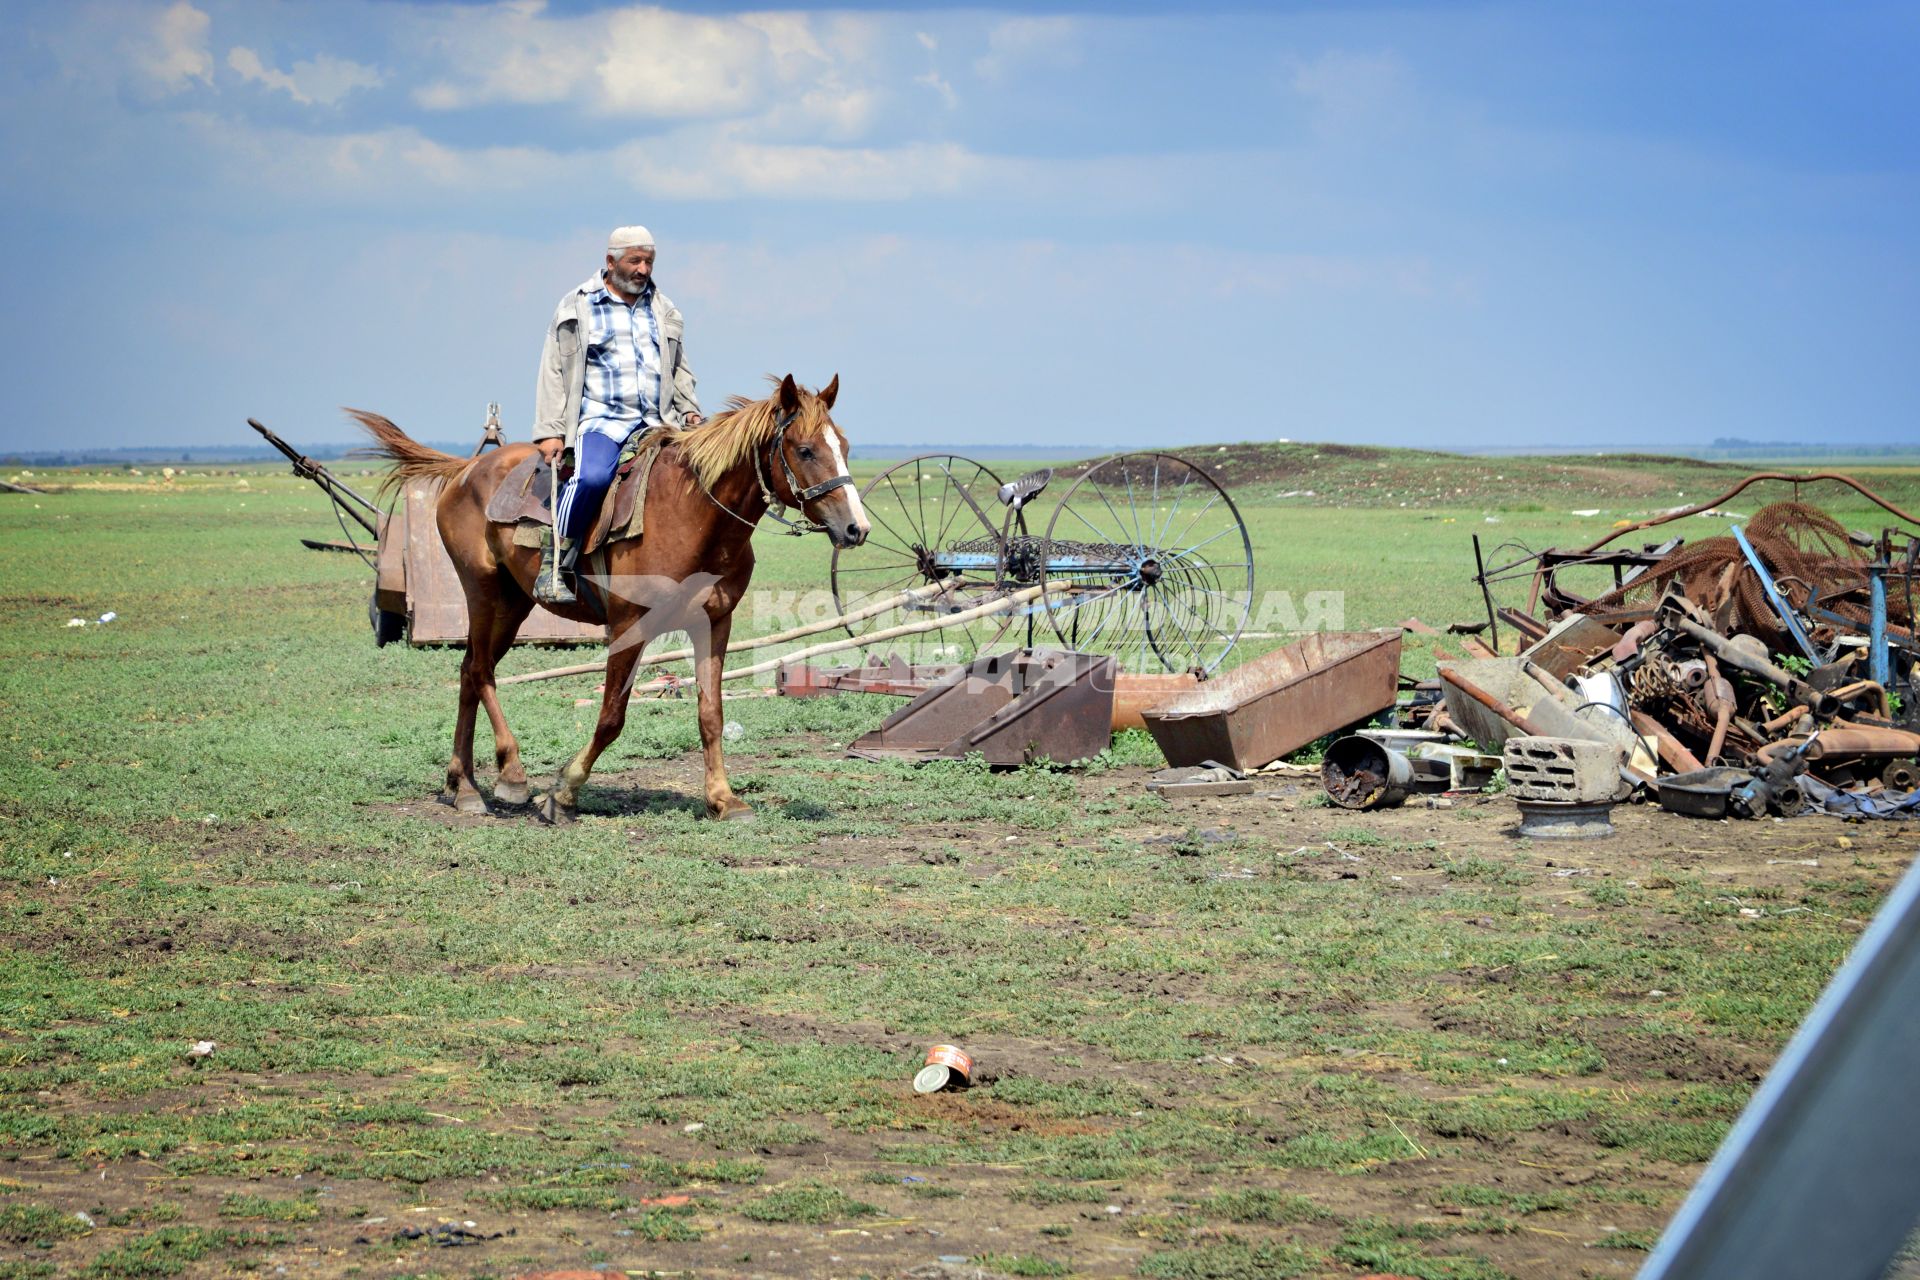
pixel 1772 670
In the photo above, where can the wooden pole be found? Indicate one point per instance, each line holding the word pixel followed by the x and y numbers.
pixel 910 596
pixel 905 629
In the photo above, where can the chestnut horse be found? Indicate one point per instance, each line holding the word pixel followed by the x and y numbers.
pixel 709 486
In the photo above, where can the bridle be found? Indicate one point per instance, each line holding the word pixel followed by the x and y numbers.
pixel 805 524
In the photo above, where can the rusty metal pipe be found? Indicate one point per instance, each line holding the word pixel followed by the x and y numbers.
pixel 1515 718
pixel 1672 750
pixel 1636 635
pixel 1833 744
pixel 1847 692
pixel 1719 698
pixel 1720 647
pixel 1782 720
pixel 1723 718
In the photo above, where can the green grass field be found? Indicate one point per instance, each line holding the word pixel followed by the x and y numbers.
pixel 1257 1039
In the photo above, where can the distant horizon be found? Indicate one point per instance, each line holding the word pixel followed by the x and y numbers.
pixel 337 451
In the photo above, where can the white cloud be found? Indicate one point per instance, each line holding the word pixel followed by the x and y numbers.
pixel 833 108
pixel 938 83
pixel 173 52
pixel 388 168
pixel 715 165
pixel 649 62
pixel 1024 41
pixel 402 167
pixel 322 79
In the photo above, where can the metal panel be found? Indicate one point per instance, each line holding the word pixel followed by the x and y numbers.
pixel 390 572
pixel 1013 708
pixel 437 606
pixel 1820 1177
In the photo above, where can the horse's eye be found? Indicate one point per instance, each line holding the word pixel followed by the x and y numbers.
pixel 806 454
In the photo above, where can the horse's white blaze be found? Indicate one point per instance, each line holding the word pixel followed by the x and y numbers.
pixel 840 469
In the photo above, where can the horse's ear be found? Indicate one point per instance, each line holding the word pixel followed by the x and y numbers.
pixel 789 395
pixel 828 392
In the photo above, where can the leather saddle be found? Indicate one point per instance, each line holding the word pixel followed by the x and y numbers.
pixel 527 495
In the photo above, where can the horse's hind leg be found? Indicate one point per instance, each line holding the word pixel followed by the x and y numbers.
pixel 462 792
pixel 511 785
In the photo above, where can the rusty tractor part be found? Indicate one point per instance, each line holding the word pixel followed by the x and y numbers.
pixel 1012 708
pixel 1851 753
pixel 1280 702
pixel 1361 773
pixel 1901 775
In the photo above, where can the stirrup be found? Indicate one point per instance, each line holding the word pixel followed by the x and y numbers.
pixel 553 584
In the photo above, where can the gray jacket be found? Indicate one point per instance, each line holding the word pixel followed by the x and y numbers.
pixel 563 366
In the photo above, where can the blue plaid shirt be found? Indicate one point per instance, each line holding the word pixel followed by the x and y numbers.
pixel 622 389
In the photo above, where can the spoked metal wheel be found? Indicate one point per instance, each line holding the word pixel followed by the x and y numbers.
pixel 1158 561
pixel 936 521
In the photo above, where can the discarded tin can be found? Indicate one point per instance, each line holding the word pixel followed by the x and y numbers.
pixel 948 1067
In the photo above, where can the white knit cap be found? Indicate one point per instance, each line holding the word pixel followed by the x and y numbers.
pixel 629 238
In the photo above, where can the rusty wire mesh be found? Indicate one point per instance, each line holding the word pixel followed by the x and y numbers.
pixel 1805 549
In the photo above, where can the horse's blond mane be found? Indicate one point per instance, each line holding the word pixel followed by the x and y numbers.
pixel 729 438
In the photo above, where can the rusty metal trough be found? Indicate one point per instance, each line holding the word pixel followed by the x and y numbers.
pixel 1261 710
pixel 1013 708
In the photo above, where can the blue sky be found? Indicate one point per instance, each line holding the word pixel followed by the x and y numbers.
pixel 1432 224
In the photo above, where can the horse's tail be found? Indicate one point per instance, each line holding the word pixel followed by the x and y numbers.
pixel 416 460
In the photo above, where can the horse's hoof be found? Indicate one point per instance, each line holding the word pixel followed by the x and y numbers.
pixel 513 793
pixel 552 812
pixel 736 811
pixel 471 803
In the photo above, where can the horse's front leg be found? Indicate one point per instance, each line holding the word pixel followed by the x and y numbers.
pixel 623 656
pixel 721 802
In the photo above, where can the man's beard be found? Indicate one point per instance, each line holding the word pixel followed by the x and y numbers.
pixel 633 286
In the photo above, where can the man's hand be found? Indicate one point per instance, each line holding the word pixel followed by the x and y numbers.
pixel 550 447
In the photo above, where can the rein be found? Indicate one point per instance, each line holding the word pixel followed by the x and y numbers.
pixel 801 496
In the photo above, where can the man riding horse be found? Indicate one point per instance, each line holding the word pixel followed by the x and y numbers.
pixel 613 367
